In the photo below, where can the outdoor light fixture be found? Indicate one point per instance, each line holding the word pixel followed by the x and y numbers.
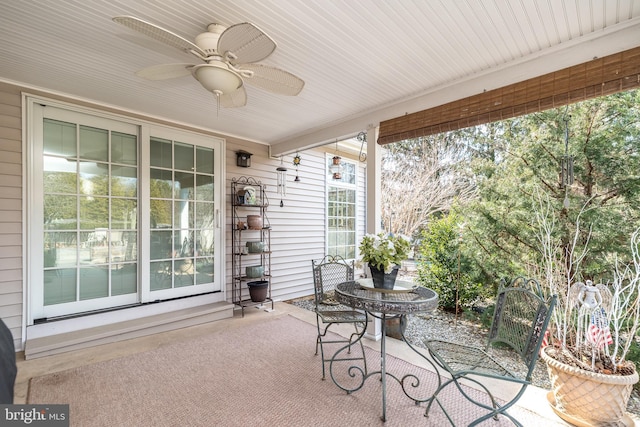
pixel 282 181
pixel 336 166
pixel 243 159
pixel 216 78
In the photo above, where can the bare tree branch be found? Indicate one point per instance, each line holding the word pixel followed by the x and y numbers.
pixel 419 181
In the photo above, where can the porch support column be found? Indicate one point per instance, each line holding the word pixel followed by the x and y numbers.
pixel 374 210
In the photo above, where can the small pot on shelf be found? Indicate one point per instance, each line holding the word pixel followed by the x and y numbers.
pixel 255 247
pixel 254 271
pixel 254 222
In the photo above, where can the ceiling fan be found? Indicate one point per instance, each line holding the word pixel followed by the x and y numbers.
pixel 228 56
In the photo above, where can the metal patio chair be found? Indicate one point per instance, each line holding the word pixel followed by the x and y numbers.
pixel 327 273
pixel 519 322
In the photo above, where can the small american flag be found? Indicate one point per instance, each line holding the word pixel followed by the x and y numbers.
pixel 598 333
pixel 545 339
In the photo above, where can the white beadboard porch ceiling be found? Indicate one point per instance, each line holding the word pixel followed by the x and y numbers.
pixel 363 61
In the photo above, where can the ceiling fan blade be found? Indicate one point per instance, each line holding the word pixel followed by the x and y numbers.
pixel 158 33
pixel 273 79
pixel 165 71
pixel 246 42
pixel 237 98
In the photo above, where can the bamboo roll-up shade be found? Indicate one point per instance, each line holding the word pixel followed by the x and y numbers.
pixel 604 76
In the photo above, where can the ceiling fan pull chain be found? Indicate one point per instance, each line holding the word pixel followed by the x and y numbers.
pixel 217 93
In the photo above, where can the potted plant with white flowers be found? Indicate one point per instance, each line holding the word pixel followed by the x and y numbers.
pixel 384 254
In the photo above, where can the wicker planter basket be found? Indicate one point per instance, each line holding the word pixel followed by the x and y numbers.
pixel 597 399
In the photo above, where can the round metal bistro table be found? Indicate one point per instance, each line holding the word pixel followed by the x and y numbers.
pixel 384 305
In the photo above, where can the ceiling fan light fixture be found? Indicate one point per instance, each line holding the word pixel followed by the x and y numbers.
pixel 230 56
pixel 216 78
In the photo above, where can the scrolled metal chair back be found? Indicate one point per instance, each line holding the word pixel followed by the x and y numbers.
pixel 328 273
pixel 520 319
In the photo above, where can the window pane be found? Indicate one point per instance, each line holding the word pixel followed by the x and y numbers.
pixel 124 279
pixel 183 270
pixel 204 188
pixel 204 158
pixel 331 238
pixel 161 213
pixel 205 242
pixel 161 275
pixel 161 183
pixel 60 212
pixel 124 244
pixel 59 138
pixel 94 179
pixel 349 173
pixel 184 185
pixel 94 283
pixel 124 148
pixel 59 175
pixel 94 212
pixel 184 214
pixel 183 243
pixel 350 252
pixel 204 271
pixel 123 214
pixel 60 249
pixel 124 181
pixel 117 251
pixel 59 286
pixel 94 144
pixel 351 238
pixel 94 247
pixel 161 246
pixel 204 215
pixel 161 153
pixel 184 157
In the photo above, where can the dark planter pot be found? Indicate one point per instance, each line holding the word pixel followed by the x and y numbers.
pixel 396 327
pixel 258 290
pixel 382 280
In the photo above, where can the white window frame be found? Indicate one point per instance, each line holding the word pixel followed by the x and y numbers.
pixel 329 183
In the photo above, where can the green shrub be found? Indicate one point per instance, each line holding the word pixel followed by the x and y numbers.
pixel 443 267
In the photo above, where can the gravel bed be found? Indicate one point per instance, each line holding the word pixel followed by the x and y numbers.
pixel 443 325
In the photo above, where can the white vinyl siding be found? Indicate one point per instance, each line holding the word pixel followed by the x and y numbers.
pixel 11 211
pixel 299 228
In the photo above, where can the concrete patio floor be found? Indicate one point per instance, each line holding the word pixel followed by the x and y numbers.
pixel 534 398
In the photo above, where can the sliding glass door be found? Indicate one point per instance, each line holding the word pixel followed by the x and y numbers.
pixel 120 213
pixel 183 217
